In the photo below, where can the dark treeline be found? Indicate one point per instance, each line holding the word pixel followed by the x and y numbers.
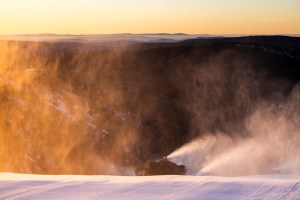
pixel 146 101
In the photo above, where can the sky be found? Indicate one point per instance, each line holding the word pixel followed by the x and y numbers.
pixel 150 16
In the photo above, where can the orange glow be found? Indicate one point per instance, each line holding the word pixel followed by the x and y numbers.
pixel 133 16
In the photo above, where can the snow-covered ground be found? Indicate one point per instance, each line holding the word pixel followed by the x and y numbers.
pixel 20 186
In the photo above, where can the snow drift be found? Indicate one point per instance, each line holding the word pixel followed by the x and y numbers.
pixel 18 186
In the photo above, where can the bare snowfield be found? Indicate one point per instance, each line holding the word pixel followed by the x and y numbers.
pixel 21 186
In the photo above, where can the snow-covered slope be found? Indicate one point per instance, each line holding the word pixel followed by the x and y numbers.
pixel 20 186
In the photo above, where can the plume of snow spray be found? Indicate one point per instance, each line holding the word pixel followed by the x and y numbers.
pixel 273 145
pixel 75 108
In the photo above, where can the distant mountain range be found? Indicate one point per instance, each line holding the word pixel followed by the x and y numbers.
pixel 159 37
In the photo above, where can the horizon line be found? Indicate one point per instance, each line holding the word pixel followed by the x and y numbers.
pixel 91 34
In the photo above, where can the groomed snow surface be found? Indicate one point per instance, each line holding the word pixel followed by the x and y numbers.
pixel 21 186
